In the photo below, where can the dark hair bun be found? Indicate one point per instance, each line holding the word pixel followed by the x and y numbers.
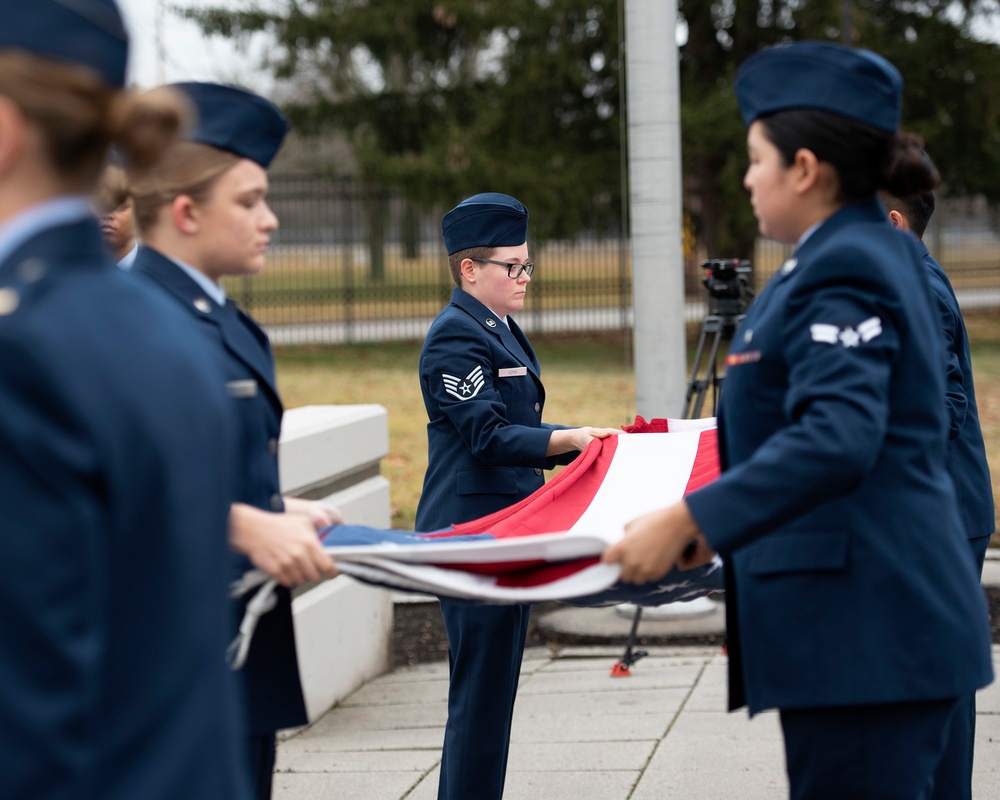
pixel 908 170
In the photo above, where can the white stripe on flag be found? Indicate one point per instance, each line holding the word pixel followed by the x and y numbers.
pixel 640 479
pixel 703 424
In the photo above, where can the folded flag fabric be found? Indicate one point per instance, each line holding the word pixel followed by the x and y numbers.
pixel 548 546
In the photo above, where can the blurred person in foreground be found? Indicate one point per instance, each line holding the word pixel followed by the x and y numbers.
pixel 115 453
pixel 852 604
pixel 967 466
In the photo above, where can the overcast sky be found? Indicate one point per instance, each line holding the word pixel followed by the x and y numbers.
pixel 187 54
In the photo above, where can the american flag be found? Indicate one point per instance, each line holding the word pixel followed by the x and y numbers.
pixel 548 546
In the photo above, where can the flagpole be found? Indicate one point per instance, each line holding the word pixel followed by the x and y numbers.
pixel 654 174
pixel 652 97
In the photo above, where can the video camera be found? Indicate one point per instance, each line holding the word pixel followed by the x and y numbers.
pixel 728 283
pixel 726 277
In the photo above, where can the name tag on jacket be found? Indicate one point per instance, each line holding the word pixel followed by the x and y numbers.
pixel 242 389
pixel 512 372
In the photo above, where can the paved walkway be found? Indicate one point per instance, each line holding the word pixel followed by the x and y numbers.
pixel 579 734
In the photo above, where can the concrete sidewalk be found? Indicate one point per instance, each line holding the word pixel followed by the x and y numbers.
pixel 579 734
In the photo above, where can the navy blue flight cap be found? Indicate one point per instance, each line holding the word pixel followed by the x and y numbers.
pixel 821 76
pixel 84 32
pixel 490 219
pixel 235 120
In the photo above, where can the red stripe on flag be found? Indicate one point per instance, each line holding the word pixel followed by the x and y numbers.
pixel 524 573
pixel 541 576
pixel 558 508
pixel 706 461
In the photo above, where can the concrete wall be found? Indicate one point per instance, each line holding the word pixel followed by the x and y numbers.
pixel 343 628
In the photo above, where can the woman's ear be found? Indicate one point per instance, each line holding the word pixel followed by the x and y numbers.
pixel 806 169
pixel 183 213
pixel 12 135
pixel 467 269
pixel 810 174
pixel 898 220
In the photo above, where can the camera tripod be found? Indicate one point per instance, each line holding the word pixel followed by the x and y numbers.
pixel 717 327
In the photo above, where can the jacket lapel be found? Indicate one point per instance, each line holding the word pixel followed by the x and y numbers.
pixel 512 338
pixel 868 210
pixel 516 342
pixel 242 337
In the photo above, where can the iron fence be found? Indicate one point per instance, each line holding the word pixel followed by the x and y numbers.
pixel 963 235
pixel 353 263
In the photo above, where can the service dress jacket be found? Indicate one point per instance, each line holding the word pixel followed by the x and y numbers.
pixel 966 450
pixel 849 580
pixel 115 459
pixel 482 388
pixel 245 366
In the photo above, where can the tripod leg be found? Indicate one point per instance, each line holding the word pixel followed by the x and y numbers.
pixel 712 326
pixel 696 387
pixel 713 379
pixel 622 669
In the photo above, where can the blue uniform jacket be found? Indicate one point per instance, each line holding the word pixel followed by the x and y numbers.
pixel 483 392
pixel 246 366
pixel 966 451
pixel 848 574
pixel 114 482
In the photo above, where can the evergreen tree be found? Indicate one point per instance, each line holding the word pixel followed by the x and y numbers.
pixel 951 95
pixel 445 100
pixel 522 96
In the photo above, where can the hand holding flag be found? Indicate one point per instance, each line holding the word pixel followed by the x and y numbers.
pixel 657 542
pixel 569 439
pixel 282 545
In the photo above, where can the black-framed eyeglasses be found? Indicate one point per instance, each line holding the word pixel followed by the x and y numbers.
pixel 527 266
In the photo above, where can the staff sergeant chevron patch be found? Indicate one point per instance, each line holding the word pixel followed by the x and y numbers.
pixel 464 388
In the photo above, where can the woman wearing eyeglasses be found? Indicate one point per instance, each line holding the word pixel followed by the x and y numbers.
pixel 487 447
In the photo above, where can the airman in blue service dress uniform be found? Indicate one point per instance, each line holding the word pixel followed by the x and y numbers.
pixel 192 236
pixel 114 462
pixel 853 606
pixel 487 447
pixel 967 465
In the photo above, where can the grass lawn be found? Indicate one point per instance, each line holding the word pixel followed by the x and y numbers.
pixel 587 382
